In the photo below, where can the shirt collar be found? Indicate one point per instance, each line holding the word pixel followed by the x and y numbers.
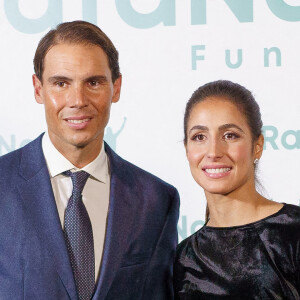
pixel 58 164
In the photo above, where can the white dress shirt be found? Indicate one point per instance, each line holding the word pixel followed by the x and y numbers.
pixel 95 194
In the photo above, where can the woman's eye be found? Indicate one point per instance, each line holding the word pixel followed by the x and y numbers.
pixel 230 136
pixel 199 137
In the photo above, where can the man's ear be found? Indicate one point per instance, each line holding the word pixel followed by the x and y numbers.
pixel 37 85
pixel 117 89
pixel 259 147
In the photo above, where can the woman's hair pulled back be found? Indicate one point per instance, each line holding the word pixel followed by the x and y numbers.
pixel 233 92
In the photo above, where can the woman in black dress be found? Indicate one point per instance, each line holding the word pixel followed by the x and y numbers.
pixel 249 247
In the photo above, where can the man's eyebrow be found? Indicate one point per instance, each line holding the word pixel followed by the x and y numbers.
pixel 230 125
pixel 100 78
pixel 199 127
pixel 58 78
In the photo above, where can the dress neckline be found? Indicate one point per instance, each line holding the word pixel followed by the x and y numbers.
pixel 248 224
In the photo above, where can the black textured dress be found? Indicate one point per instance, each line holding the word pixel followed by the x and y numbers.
pixel 260 260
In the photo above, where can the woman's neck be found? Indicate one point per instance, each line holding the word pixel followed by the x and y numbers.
pixel 239 208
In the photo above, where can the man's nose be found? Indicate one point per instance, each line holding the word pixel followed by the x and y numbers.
pixel 78 97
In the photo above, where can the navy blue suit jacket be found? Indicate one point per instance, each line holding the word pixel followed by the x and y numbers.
pixel 141 233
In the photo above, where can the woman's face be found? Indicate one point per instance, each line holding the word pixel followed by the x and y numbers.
pixel 219 147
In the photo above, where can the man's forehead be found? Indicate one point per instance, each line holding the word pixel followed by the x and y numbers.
pixel 75 56
pixel 68 48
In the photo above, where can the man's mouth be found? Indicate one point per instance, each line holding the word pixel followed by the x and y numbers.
pixel 77 121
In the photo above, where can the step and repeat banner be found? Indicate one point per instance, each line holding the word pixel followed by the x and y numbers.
pixel 168 48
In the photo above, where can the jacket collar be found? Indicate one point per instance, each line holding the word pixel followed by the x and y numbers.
pixel 36 191
pixel 120 220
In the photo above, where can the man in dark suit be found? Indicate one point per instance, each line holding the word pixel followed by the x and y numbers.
pixel 76 220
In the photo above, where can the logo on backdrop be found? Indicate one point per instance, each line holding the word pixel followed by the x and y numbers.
pixel 164 13
pixel 111 137
pixel 289 139
pixel 12 143
pixel 185 230
pixel 271 57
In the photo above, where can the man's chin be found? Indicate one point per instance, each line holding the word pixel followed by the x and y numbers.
pixel 85 142
pixel 77 140
pixel 80 144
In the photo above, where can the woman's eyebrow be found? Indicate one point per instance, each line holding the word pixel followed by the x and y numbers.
pixel 231 125
pixel 199 127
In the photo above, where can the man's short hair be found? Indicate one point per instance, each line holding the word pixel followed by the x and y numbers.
pixel 77 32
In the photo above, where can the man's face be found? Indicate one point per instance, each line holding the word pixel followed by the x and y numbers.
pixel 77 91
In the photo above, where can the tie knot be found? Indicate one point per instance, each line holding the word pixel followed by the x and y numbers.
pixel 78 179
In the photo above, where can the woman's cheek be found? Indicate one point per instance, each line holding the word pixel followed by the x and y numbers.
pixel 241 152
pixel 194 156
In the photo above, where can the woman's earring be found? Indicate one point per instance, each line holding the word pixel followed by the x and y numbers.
pixel 255 161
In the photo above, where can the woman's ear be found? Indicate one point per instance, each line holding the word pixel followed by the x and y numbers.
pixel 259 147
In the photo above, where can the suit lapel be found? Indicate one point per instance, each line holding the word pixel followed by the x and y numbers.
pixel 36 191
pixel 119 222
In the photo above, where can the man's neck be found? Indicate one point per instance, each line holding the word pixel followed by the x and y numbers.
pixel 79 156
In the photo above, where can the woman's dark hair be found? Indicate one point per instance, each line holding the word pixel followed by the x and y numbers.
pixel 233 92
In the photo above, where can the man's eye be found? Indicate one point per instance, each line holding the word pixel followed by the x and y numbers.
pixel 60 83
pixel 94 83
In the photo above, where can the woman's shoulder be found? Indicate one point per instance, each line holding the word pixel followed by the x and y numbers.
pixel 292 208
pixel 187 245
pixel 183 245
pixel 288 215
pixel 284 225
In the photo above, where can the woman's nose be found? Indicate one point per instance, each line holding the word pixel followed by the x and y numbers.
pixel 215 149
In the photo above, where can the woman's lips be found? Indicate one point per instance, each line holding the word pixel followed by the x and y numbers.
pixel 216 172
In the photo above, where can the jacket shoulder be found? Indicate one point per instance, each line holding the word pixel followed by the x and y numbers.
pixel 11 162
pixel 136 174
pixel 147 175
